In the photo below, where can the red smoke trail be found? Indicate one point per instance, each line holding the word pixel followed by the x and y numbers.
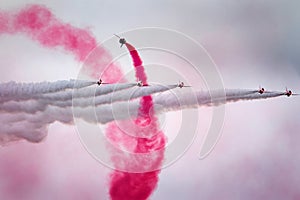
pixel 138 186
pixel 138 64
pixel 41 25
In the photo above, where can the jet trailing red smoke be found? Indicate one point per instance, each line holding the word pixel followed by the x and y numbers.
pixel 127 185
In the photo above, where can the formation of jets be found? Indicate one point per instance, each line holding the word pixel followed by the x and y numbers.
pixel 139 83
pixel 287 92
pixel 261 90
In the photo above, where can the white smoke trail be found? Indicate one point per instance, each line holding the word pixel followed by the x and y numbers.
pixel 124 95
pixel 12 90
pixel 29 119
pixel 213 98
pixel 40 103
pixel 167 101
pixel 87 92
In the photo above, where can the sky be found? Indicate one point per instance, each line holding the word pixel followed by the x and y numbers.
pixel 252 43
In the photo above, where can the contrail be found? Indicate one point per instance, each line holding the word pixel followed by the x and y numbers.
pixel 13 90
pixel 61 99
pixel 171 102
pixel 88 92
pixel 165 102
pixel 124 95
pixel 14 121
pixel 57 91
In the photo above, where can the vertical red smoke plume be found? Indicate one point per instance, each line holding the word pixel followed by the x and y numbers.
pixel 138 186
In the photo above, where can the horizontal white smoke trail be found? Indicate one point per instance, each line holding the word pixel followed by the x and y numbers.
pixel 12 90
pixel 40 103
pixel 168 101
pixel 87 92
pixel 29 119
pixel 124 95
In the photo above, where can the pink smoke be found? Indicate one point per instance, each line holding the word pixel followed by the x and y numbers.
pixel 41 25
pixel 139 186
